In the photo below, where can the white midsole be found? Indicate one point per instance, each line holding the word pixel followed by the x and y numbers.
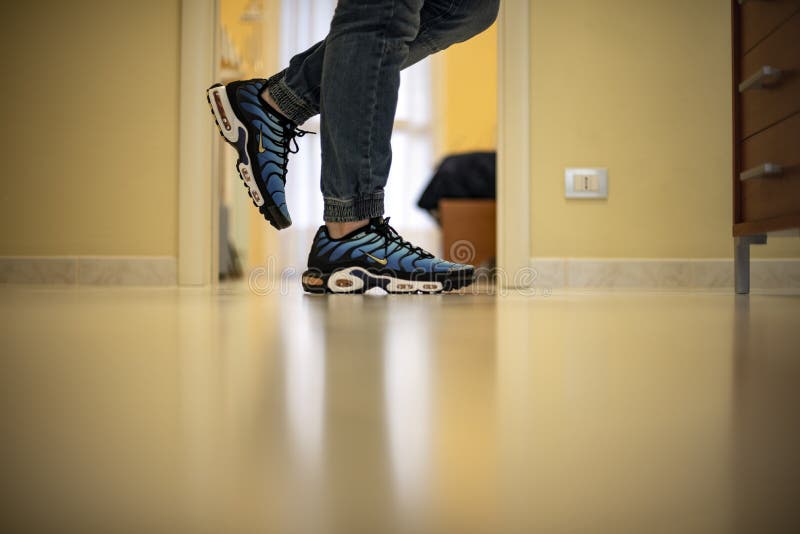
pixel 219 96
pixel 344 281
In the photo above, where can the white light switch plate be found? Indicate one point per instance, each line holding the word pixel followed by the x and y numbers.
pixel 586 183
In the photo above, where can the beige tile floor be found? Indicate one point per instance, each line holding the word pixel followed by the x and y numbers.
pixel 196 411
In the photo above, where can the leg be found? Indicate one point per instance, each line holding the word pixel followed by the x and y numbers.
pixel 365 49
pixel 296 90
pixel 363 54
pixel 741 260
pixel 262 131
pixel 447 22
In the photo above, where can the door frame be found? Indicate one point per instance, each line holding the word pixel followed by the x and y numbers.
pixel 513 143
pixel 198 211
pixel 198 206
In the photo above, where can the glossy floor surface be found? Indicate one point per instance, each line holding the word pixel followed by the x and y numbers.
pixel 222 411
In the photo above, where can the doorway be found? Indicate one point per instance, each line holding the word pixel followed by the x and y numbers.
pixel 258 22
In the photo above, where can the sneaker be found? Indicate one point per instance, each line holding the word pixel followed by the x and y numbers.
pixel 376 256
pixel 263 139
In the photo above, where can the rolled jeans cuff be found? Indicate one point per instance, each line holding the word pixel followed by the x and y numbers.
pixel 355 209
pixel 292 106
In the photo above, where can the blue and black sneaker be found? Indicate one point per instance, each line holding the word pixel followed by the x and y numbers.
pixel 376 256
pixel 263 138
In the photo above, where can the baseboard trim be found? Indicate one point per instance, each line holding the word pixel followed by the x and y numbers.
pixel 635 273
pixel 89 270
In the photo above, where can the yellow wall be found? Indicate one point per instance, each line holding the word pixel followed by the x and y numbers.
pixel 641 87
pixel 467 99
pixel 90 127
pixel 89 147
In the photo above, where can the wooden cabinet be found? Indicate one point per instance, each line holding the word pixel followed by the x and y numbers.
pixel 766 124
pixel 468 230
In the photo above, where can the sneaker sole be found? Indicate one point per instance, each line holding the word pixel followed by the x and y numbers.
pixel 356 280
pixel 234 132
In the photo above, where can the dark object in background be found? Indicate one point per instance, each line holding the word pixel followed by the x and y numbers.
pixel 470 175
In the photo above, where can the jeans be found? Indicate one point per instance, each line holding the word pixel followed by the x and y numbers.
pixel 351 79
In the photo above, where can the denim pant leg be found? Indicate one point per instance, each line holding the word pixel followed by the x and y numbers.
pixel 297 91
pixel 367 45
pixel 447 22
pixel 296 88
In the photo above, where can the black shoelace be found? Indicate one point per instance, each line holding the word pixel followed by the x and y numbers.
pixel 288 134
pixel 390 236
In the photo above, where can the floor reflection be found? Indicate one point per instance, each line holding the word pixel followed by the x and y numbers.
pixel 407 363
pixel 766 421
pixel 188 412
pixel 615 414
pixel 303 359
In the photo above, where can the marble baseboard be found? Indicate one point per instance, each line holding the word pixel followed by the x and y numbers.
pixel 90 270
pixel 33 270
pixel 662 273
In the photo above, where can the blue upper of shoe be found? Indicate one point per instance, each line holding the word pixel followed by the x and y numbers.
pixel 271 139
pixel 378 245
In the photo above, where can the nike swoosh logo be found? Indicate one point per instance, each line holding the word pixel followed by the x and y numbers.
pixel 261 148
pixel 383 261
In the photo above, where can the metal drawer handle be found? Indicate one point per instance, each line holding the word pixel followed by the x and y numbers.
pixel 743 2
pixel 767 170
pixel 766 76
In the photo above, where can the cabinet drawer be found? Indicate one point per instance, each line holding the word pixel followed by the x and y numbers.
pixel 772 196
pixel 759 17
pixel 764 105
